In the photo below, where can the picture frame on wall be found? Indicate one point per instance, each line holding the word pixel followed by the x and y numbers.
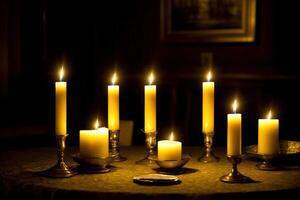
pixel 208 21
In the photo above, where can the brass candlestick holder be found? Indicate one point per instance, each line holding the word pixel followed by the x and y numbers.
pixel 61 169
pixel 208 155
pixel 268 162
pixel 234 175
pixel 114 138
pixel 150 144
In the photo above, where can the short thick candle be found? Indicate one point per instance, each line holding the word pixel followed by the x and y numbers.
pixel 150 107
pixel 268 136
pixel 113 106
pixel 94 143
pixel 234 133
pixel 208 91
pixel 61 106
pixel 169 150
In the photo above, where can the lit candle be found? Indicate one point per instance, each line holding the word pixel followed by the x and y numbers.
pixel 94 143
pixel 234 132
pixel 61 105
pixel 150 106
pixel 113 105
pixel 208 90
pixel 268 135
pixel 169 149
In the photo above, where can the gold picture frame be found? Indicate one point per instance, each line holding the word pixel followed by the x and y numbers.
pixel 208 21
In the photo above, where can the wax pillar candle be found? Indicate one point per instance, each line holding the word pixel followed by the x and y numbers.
pixel 208 90
pixel 61 106
pixel 234 132
pixel 169 149
pixel 150 106
pixel 268 135
pixel 94 143
pixel 113 106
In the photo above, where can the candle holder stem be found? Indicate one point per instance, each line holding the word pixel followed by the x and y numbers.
pixel 150 145
pixel 114 138
pixel 61 169
pixel 208 155
pixel 234 175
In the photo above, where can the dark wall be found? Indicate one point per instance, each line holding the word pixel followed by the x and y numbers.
pixel 95 38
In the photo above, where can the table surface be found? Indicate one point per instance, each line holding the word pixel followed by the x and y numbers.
pixel 18 178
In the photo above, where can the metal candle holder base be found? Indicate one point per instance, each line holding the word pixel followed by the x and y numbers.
pixel 234 175
pixel 268 163
pixel 172 166
pixel 150 144
pixel 208 155
pixel 93 165
pixel 61 169
pixel 114 138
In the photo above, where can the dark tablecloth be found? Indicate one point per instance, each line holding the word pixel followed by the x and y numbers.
pixel 18 179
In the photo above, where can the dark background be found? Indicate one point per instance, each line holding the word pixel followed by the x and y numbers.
pixel 95 38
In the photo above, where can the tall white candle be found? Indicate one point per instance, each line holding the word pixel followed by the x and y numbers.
pixel 234 132
pixel 268 135
pixel 61 105
pixel 113 105
pixel 208 93
pixel 150 106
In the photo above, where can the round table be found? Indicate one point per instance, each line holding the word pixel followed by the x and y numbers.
pixel 18 179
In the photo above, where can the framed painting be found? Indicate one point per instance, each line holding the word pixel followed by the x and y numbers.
pixel 208 21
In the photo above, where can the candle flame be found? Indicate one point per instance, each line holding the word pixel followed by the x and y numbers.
pixel 269 114
pixel 114 78
pixel 97 124
pixel 234 106
pixel 151 78
pixel 61 73
pixel 171 136
pixel 209 75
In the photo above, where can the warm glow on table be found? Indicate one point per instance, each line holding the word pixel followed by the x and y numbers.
pixel 234 132
pixel 150 106
pixel 208 90
pixel 113 105
pixel 268 135
pixel 61 105
pixel 94 143
pixel 169 149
